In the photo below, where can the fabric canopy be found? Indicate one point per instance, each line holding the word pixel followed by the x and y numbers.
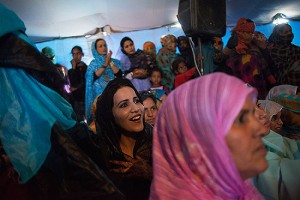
pixel 47 20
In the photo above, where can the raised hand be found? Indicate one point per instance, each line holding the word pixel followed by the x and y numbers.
pixel 107 58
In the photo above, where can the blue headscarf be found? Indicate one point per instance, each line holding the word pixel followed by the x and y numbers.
pixel 96 87
pixel 28 109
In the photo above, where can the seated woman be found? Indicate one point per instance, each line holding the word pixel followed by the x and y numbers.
pixel 125 139
pixel 208 147
pixel 102 69
pixel 281 179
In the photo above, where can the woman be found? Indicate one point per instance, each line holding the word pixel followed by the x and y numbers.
pixel 281 179
pixel 245 64
pixel 208 147
pixel 140 64
pixel 284 55
pixel 125 140
pixel 101 70
pixel 150 106
pixel 77 81
pixel 165 57
pixel 288 96
pixel 35 118
pixel 273 110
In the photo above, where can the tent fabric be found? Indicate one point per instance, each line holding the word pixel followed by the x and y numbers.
pixel 46 20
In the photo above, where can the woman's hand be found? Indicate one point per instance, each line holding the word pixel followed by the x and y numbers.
pixel 133 167
pixel 107 58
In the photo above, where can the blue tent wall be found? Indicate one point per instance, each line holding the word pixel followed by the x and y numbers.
pixel 267 30
pixel 62 47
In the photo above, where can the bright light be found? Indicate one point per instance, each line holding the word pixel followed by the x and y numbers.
pixel 279 18
pixel 280 21
pixel 177 25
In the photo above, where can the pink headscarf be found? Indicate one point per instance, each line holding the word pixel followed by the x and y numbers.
pixel 190 155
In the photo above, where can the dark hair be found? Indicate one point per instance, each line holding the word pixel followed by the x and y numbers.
pixel 156 69
pixel 147 94
pixel 79 49
pixel 176 62
pixel 98 41
pixel 105 122
pixel 124 39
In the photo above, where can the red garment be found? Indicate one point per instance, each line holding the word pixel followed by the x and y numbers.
pixel 182 78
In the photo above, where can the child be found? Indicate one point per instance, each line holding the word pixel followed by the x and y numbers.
pixel 157 89
pixel 182 74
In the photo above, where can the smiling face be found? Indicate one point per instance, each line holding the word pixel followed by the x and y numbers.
pixel 245 142
pixel 128 47
pixel 127 110
pixel 101 47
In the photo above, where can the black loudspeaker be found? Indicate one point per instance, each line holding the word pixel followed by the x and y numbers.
pixel 202 18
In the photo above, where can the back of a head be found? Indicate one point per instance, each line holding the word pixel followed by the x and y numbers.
pixel 48 52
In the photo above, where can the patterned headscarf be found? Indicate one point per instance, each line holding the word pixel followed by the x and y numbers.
pixel 243 25
pixel 190 155
pixel 271 107
pixel 167 40
pixel 281 89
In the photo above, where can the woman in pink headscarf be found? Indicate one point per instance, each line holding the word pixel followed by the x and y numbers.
pixel 208 142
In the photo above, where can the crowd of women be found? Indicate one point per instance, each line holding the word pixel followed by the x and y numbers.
pixel 212 137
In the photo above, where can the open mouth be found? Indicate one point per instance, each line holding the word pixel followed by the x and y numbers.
pixel 136 118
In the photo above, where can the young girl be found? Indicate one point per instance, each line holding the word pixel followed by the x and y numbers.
pixel 158 90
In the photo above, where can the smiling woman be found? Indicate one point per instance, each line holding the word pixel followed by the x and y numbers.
pixel 125 140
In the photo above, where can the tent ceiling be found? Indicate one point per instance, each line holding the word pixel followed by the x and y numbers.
pixel 46 19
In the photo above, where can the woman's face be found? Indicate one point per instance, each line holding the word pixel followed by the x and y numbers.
pixel 77 54
pixel 263 118
pixel 245 37
pixel 150 110
pixel 276 123
pixel 129 47
pixel 101 47
pixel 245 142
pixel 285 30
pixel 127 110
